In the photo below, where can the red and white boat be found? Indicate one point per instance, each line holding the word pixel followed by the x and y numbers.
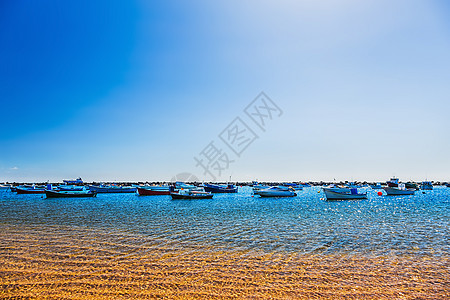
pixel 153 190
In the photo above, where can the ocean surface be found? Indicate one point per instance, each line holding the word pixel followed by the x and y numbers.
pixel 415 225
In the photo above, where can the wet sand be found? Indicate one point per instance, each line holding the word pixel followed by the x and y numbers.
pixel 62 263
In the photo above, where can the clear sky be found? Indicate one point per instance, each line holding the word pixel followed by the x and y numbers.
pixel 135 90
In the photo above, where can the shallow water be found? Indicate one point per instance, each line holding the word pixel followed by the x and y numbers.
pixel 381 225
pixel 231 247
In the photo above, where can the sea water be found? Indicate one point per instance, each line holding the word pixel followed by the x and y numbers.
pixel 381 225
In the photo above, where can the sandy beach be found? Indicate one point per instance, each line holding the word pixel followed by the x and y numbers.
pixel 39 262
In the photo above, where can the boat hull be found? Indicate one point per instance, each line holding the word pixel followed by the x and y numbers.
pixel 267 194
pixel 390 191
pixel 191 196
pixel 333 195
pixel 152 192
pixel 111 190
pixel 66 194
pixel 219 189
pixel 29 191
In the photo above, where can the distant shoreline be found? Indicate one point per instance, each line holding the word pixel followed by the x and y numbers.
pixel 238 183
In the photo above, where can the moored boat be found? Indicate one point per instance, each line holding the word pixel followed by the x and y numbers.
pixel 30 190
pixel 153 190
pixel 412 186
pixel 393 182
pixel 73 182
pixel 111 189
pixel 398 191
pixel 277 191
pixel 337 188
pixel 217 188
pixel 334 194
pixel 69 194
pixel 4 187
pixel 426 185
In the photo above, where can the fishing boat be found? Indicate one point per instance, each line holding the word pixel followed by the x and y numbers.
pixel 153 190
pixel 337 188
pixel 411 185
pixel 30 190
pixel 217 188
pixel 343 194
pixel 393 182
pixel 426 185
pixel 189 195
pixel 4 187
pixel 111 189
pixel 74 182
pixel 69 194
pixel 399 191
pixel 277 191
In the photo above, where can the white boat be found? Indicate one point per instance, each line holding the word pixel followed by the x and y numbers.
pixel 426 185
pixel 277 191
pixel 398 191
pixel 337 189
pixel 74 182
pixel 4 187
pixel 343 194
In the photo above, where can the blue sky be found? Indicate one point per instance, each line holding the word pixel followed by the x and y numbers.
pixel 123 90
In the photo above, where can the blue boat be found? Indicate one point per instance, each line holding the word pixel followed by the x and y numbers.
pixel 216 188
pixel 73 182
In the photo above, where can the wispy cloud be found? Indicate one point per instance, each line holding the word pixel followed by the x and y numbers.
pixel 14 168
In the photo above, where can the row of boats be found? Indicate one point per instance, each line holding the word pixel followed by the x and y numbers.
pixel 392 188
pixel 180 190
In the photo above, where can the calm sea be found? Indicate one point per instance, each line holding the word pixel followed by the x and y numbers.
pixel 381 225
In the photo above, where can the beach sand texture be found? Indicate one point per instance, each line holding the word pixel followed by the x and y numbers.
pixel 39 262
